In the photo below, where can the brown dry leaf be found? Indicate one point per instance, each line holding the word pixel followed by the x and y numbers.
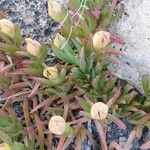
pixel 40 130
pixel 26 62
pixel 66 108
pixel 114 146
pixel 2 57
pixel 31 133
pixel 26 112
pixel 16 72
pixel 115 52
pixel 19 85
pixel 34 90
pixel 117 121
pixel 112 100
pixel 45 102
pixel 145 119
pixel 74 105
pixel 4 114
pixel 79 121
pixel 7 103
pixel 67 143
pixel 102 134
pixel 2 64
pixel 50 137
pixel 128 144
pixel 16 95
pixel 61 142
pixel 6 68
pixel 145 146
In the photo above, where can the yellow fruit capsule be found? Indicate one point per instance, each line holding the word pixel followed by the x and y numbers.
pixel 99 111
pixel 50 72
pixel 7 27
pixel 59 40
pixel 33 47
pixel 56 10
pixel 57 125
pixel 4 146
pixel 101 39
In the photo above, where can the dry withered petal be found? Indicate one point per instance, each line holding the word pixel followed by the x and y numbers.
pixel 50 72
pixel 99 111
pixel 7 27
pixel 33 47
pixel 101 39
pixel 57 125
pixel 59 40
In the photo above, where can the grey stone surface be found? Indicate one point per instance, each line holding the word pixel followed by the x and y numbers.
pixel 134 27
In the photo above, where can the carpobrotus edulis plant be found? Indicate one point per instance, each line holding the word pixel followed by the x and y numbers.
pixel 60 101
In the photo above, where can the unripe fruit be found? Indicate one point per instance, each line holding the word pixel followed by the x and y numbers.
pixel 101 39
pixel 33 47
pixel 99 111
pixel 59 40
pixel 57 125
pixel 7 27
pixel 4 146
pixel 50 72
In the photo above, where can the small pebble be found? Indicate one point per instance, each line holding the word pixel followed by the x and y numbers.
pixel 122 141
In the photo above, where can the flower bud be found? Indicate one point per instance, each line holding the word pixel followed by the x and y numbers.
pixel 59 40
pixel 50 72
pixel 33 47
pixel 56 9
pixel 57 125
pixel 99 111
pixel 101 39
pixel 4 146
pixel 7 27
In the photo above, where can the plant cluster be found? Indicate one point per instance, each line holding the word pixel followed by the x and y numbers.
pixel 60 101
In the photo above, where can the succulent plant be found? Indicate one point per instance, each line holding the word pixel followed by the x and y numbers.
pixel 59 101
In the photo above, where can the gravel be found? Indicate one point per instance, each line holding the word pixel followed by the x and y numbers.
pixel 120 136
pixel 32 17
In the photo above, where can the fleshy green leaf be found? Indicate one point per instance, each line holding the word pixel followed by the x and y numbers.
pixel 43 54
pixel 6 139
pixel 19 146
pixel 85 105
pixel 9 48
pixel 18 37
pixel 6 38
